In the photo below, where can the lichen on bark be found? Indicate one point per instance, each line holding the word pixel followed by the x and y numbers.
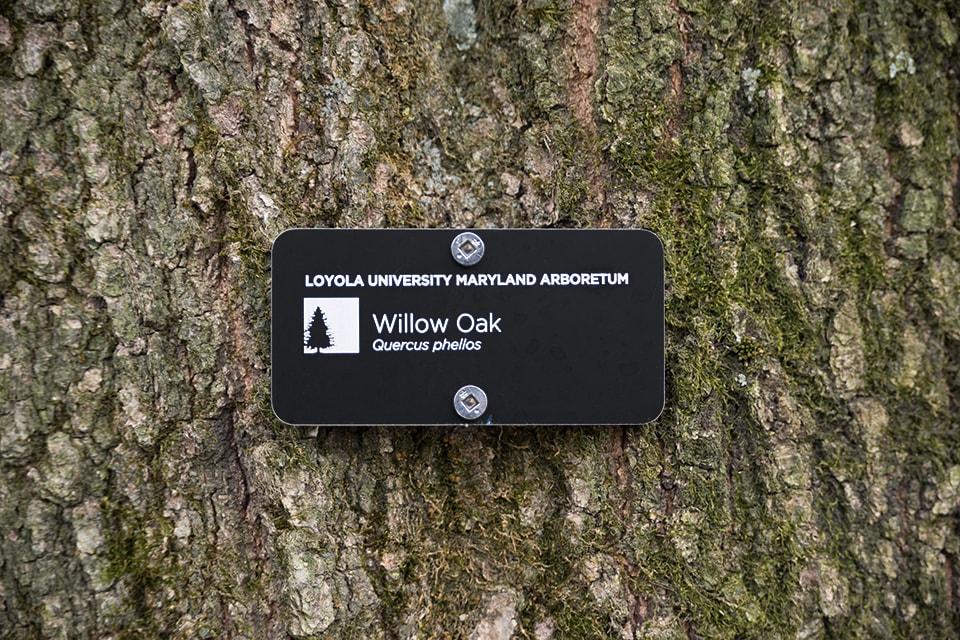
pixel 800 164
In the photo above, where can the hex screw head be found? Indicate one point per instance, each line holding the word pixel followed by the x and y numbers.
pixel 467 248
pixel 470 402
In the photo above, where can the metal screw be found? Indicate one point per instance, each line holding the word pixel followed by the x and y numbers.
pixel 470 402
pixel 467 248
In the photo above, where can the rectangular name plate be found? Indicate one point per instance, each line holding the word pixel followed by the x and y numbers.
pixel 492 326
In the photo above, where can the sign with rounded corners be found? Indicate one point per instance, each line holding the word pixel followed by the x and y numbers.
pixel 487 326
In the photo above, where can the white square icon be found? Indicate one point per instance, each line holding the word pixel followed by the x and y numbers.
pixel 331 325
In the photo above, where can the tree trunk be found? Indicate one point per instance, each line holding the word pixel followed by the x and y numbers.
pixel 799 161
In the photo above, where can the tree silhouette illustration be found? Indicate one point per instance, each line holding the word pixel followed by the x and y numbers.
pixel 318 333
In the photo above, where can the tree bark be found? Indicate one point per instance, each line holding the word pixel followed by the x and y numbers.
pixel 799 161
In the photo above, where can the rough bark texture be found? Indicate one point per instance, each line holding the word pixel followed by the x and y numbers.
pixel 799 161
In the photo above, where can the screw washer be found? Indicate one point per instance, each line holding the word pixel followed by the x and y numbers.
pixel 467 248
pixel 470 402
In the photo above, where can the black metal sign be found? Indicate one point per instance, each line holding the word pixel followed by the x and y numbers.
pixel 498 326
